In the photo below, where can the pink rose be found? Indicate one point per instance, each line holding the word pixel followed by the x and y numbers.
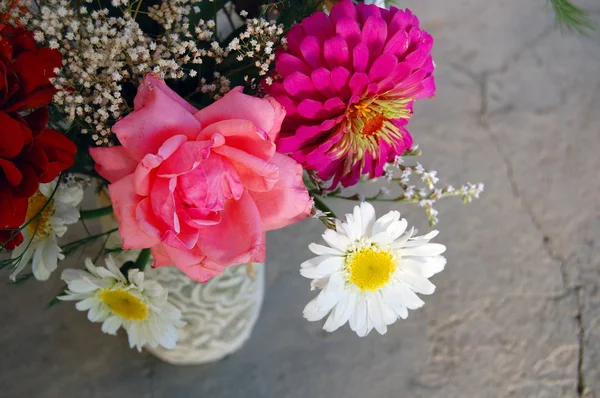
pixel 200 188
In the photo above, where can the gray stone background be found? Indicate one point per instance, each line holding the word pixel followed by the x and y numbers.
pixel 517 310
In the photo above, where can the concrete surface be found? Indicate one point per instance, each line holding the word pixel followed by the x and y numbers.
pixel 517 311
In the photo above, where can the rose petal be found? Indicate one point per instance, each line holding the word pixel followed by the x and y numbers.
pixel 245 241
pixel 113 163
pixel 242 135
pixel 156 118
pixel 288 201
pixel 265 113
pixel 254 173
pixel 125 201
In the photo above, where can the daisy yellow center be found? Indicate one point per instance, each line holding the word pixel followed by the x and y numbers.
pixel 40 225
pixel 125 304
pixel 370 268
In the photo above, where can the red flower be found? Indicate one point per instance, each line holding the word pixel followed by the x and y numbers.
pixel 30 153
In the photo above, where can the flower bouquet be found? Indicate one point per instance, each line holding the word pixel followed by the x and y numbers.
pixel 200 125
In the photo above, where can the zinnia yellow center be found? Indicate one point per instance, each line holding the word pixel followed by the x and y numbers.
pixel 125 304
pixel 370 268
pixel 41 225
pixel 368 123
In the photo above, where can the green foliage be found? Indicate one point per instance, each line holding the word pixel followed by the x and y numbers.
pixel 142 259
pixel 96 213
pixel 292 11
pixel 53 302
pixel 571 17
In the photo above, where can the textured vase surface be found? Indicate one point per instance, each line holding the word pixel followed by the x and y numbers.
pixel 220 313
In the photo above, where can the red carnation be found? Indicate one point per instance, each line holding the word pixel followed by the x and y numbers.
pixel 30 153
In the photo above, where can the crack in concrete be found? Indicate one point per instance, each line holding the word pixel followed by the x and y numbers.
pixel 482 80
pixel 554 256
pixel 580 374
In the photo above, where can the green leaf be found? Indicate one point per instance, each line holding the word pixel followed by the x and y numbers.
pixel 571 17
pixel 96 213
pixel 53 302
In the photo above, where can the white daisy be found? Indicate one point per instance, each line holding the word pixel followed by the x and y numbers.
pixel 140 306
pixel 370 272
pixel 40 235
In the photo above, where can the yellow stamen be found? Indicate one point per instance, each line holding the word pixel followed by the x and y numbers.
pixel 125 304
pixel 368 124
pixel 41 225
pixel 370 268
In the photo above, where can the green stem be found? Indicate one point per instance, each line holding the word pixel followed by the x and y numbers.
pixel 96 213
pixel 142 259
pixel 137 9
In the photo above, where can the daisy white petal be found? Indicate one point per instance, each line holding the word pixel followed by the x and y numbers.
pixel 428 249
pixel 375 314
pixel 343 311
pixel 397 228
pixel 314 262
pixel 323 250
pixel 385 221
pixel 336 240
pixel 86 304
pixel 408 297
pixel 371 272
pixel 313 312
pixel 367 213
pixel 330 265
pixel 310 272
pixel 111 324
pixel 400 242
pixel 433 266
pixel 358 320
pixel 417 283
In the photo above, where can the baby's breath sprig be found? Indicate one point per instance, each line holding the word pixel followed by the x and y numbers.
pixel 257 44
pixel 408 178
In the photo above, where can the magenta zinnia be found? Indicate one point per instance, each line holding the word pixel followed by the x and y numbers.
pixel 348 81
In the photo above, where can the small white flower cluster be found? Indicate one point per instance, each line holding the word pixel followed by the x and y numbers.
pixel 173 14
pixel 257 43
pixel 217 88
pixel 425 196
pixel 100 54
